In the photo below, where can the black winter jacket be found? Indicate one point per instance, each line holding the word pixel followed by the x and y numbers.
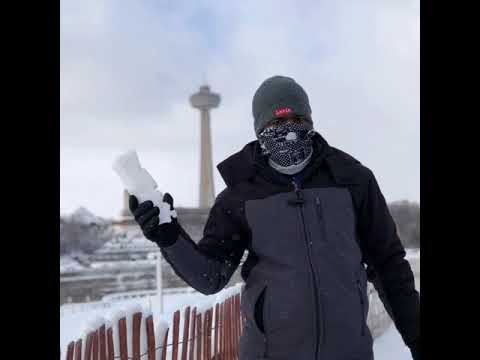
pixel 308 248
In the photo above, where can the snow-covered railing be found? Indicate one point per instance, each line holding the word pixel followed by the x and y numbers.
pixel 72 308
pixel 146 293
pixel 108 300
pixel 209 331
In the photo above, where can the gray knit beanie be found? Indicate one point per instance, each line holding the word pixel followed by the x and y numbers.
pixel 276 97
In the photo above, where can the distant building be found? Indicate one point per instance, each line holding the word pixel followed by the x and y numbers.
pixel 125 263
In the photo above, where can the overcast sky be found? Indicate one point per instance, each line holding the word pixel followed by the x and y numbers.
pixel 129 67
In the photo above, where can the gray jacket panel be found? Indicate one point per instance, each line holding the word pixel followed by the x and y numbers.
pixel 310 267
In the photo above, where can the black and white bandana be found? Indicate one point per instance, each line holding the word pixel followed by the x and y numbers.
pixel 288 146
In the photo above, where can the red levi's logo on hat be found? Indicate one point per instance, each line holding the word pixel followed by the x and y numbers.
pixel 282 111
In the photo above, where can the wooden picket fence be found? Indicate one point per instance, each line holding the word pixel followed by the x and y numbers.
pixel 211 334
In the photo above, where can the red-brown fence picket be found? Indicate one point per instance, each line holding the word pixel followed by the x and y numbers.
pixel 186 328
pixel 212 334
pixel 176 324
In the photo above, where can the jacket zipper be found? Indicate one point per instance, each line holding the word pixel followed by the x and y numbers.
pixel 300 202
pixel 362 306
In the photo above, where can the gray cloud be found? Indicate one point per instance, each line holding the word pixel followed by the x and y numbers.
pixel 127 69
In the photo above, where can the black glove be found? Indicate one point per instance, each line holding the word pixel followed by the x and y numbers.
pixel 146 215
pixel 415 350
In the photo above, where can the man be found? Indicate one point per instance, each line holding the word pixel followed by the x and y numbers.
pixel 312 219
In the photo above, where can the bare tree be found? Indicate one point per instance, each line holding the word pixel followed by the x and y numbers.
pixel 406 215
pixel 83 235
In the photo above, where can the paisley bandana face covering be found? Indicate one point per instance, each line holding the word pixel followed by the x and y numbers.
pixel 288 146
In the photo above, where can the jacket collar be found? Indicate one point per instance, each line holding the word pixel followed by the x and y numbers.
pixel 249 162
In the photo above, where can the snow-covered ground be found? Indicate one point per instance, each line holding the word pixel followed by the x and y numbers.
pixel 412 253
pixel 390 346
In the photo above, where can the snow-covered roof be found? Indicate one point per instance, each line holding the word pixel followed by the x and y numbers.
pixel 68 265
pixel 110 265
pixel 126 242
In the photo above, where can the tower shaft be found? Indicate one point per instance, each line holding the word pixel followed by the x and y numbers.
pixel 125 213
pixel 204 100
pixel 207 192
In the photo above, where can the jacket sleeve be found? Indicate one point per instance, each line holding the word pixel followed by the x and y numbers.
pixel 208 265
pixel 384 252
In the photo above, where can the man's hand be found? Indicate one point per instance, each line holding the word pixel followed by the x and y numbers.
pixel 147 216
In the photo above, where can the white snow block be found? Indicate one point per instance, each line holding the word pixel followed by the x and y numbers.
pixel 137 181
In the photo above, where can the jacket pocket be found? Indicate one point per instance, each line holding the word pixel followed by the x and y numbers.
pixel 253 340
pixel 259 311
pixel 252 306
